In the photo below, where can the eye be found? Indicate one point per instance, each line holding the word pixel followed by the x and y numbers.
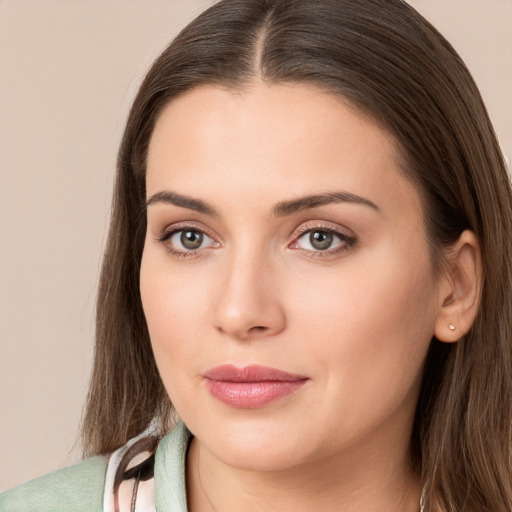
pixel 189 239
pixel 323 240
pixel 186 241
pixel 318 240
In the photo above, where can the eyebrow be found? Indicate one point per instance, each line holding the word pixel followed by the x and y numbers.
pixel 305 203
pixel 182 201
pixel 281 209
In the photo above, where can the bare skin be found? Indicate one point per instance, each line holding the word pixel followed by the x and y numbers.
pixel 240 269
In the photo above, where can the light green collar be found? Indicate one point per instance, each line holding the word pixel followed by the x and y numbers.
pixel 170 489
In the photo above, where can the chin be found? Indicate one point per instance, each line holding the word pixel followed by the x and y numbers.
pixel 257 445
pixel 266 456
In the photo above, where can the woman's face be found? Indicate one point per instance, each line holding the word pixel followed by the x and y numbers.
pixel 285 279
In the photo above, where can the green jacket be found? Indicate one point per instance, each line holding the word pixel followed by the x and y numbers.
pixel 80 488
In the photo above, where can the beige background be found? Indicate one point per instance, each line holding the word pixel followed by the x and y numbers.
pixel 68 72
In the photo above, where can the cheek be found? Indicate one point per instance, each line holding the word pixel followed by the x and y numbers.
pixel 174 304
pixel 376 292
pixel 369 325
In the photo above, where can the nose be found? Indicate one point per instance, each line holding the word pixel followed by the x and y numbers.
pixel 248 305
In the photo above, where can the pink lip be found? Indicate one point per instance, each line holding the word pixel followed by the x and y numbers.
pixel 252 386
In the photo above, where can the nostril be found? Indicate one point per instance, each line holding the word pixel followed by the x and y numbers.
pixel 258 328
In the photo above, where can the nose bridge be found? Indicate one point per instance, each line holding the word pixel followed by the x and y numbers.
pixel 248 304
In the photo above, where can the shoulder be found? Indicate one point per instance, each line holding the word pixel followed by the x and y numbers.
pixel 112 482
pixel 78 488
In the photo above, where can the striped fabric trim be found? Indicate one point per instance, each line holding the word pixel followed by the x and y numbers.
pixel 129 481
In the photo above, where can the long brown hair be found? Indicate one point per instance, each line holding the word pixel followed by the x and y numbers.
pixel 392 65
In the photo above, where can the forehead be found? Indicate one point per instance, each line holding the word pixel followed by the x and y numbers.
pixel 272 140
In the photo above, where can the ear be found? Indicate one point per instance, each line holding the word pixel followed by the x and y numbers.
pixel 459 289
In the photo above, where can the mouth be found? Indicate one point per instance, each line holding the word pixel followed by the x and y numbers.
pixel 251 387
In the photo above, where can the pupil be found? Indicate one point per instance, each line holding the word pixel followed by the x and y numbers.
pixel 191 239
pixel 320 240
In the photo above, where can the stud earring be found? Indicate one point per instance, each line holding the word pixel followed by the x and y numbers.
pixel 451 327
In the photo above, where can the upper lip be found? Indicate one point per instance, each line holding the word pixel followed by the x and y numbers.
pixel 252 373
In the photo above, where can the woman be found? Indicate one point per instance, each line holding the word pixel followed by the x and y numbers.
pixel 308 258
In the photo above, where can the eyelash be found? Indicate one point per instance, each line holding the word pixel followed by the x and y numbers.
pixel 168 233
pixel 347 242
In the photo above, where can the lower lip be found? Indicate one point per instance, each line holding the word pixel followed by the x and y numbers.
pixel 252 395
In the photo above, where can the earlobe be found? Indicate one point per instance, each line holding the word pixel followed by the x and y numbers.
pixel 459 289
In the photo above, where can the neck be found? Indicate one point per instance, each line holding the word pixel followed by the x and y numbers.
pixel 370 481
